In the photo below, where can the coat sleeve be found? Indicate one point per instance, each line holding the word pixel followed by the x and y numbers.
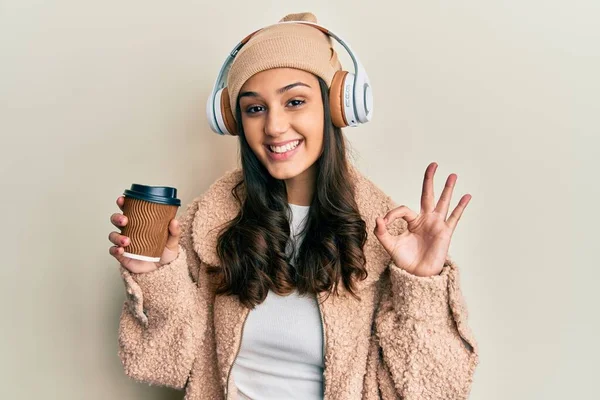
pixel 426 349
pixel 164 317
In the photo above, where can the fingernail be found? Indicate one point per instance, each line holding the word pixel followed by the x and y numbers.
pixel 123 241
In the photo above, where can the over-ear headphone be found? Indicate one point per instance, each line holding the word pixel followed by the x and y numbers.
pixel 350 95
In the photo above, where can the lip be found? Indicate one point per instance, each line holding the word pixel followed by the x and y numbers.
pixel 285 156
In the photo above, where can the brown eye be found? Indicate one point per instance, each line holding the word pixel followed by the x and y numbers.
pixel 254 109
pixel 296 103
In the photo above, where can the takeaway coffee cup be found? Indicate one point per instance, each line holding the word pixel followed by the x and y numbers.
pixel 149 209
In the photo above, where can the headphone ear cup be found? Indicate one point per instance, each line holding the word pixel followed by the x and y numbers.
pixel 336 99
pixel 228 119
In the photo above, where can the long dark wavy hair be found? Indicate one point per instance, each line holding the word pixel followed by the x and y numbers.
pixel 251 247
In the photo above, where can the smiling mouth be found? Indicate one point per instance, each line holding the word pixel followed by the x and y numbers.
pixel 284 149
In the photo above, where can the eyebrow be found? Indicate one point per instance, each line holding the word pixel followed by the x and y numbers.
pixel 279 91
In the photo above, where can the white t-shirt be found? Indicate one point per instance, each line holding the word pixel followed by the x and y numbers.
pixel 281 354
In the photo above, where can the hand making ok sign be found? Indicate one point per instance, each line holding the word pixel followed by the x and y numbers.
pixel 423 247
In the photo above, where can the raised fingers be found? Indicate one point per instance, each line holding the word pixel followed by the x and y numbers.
pixel 444 201
pixel 458 211
pixel 427 196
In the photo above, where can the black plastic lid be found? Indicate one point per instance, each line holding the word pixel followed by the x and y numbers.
pixel 154 194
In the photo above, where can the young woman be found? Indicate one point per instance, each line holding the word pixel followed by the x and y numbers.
pixel 295 277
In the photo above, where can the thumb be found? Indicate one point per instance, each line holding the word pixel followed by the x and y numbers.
pixel 174 234
pixel 383 235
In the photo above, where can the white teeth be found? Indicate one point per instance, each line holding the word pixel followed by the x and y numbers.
pixel 286 148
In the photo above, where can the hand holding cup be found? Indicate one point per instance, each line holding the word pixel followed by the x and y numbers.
pixel 150 233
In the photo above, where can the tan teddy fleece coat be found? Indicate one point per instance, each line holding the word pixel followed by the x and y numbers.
pixel 407 338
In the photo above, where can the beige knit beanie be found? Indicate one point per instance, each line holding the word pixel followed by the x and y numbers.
pixel 287 45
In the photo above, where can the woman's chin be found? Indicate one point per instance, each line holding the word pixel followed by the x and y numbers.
pixel 283 172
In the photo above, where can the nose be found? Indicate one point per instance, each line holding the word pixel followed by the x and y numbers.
pixel 276 122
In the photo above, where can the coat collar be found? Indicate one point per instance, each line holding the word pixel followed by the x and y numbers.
pixel 217 206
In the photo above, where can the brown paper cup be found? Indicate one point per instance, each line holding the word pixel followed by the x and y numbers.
pixel 147 228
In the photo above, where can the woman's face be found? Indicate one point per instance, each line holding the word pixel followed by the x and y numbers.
pixel 282 107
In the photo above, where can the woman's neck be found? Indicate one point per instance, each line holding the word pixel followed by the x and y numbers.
pixel 300 189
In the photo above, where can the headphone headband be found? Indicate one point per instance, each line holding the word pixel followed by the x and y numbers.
pixel 361 94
